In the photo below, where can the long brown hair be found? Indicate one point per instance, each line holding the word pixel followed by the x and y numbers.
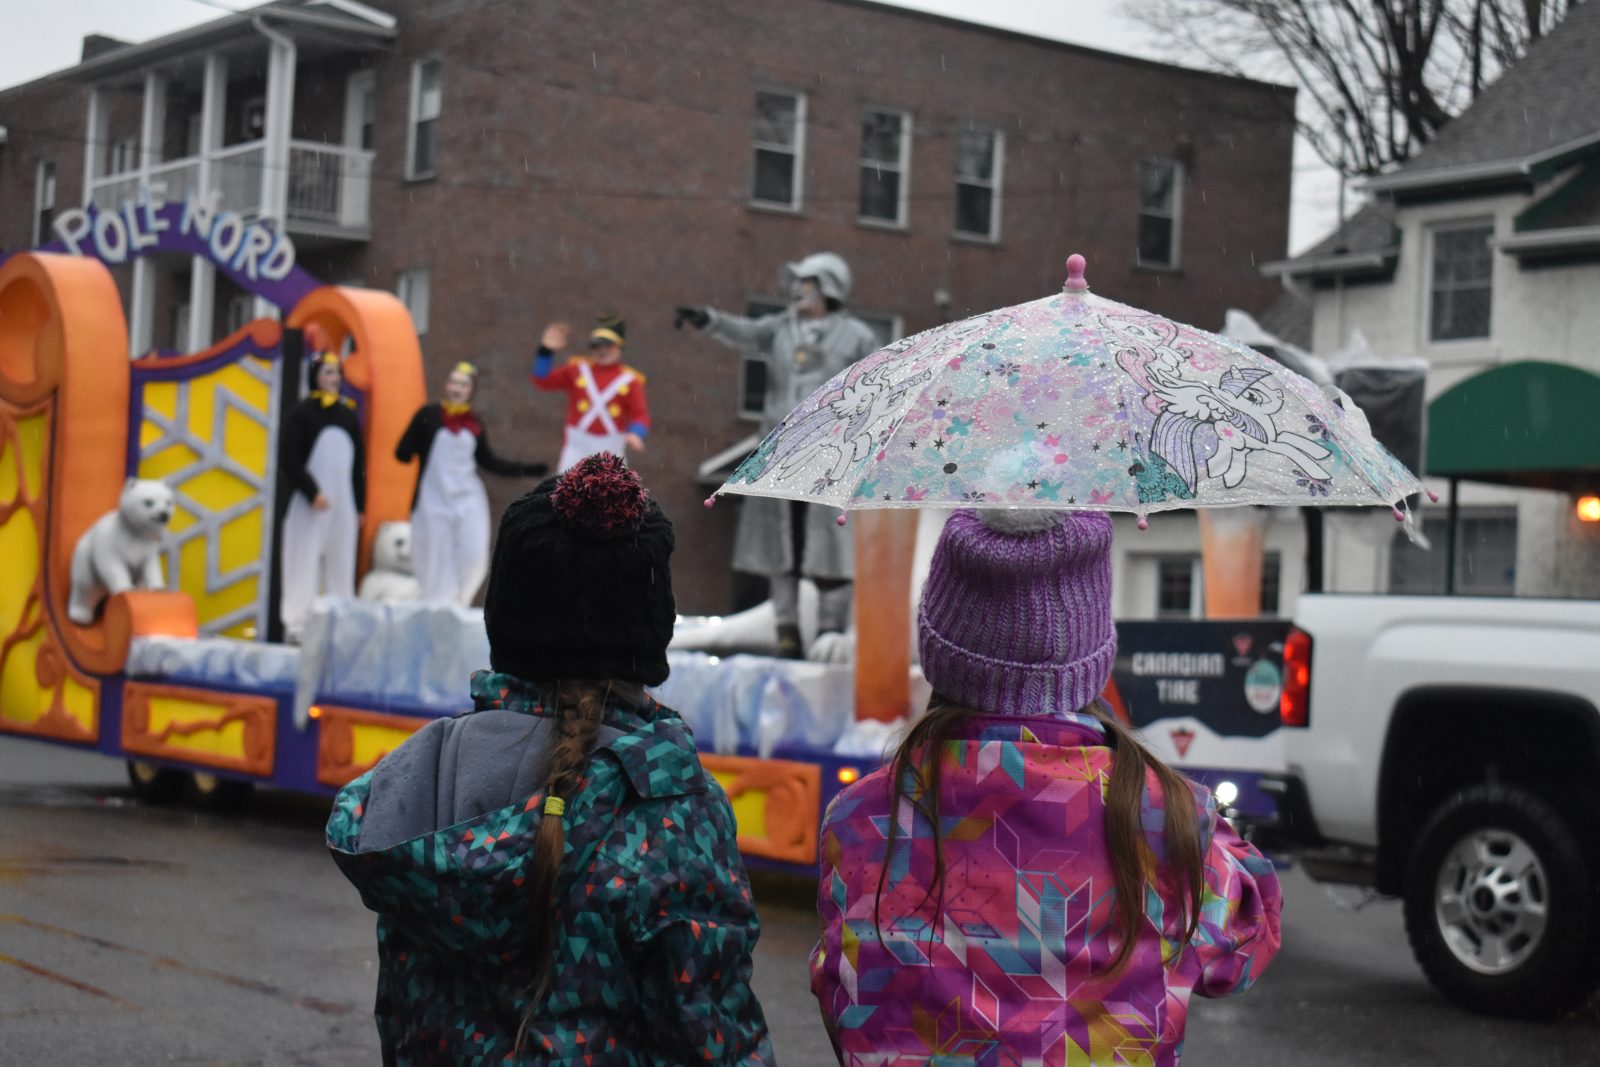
pixel 914 775
pixel 579 708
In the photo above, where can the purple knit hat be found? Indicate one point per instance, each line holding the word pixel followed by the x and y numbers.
pixel 1016 614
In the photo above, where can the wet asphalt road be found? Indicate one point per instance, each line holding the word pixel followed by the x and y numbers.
pixel 133 935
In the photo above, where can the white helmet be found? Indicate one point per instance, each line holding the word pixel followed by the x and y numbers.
pixel 831 272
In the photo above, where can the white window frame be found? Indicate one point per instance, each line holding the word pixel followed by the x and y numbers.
pixel 414 287
pixel 1174 217
pixel 901 166
pixel 1197 584
pixel 1433 231
pixel 44 199
pixel 361 87
pixel 994 184
pixel 124 156
pixel 796 150
pixel 895 323
pixel 415 117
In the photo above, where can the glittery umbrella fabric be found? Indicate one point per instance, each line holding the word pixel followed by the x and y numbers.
pixel 1072 401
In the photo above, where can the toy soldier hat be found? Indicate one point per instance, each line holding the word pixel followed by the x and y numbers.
pixel 610 327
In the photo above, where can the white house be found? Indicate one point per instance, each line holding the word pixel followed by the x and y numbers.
pixel 1481 257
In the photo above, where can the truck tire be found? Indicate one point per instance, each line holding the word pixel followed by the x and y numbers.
pixel 1501 903
pixel 154 784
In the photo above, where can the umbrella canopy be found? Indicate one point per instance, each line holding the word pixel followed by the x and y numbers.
pixel 1072 401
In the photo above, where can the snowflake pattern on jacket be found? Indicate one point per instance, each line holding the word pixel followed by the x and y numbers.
pixel 657 925
pixel 1001 969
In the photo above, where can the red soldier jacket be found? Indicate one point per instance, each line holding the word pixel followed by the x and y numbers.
pixel 596 395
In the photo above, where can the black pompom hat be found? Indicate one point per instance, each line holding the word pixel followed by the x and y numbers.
pixel 581 584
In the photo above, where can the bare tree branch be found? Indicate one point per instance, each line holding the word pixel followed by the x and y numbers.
pixel 1396 70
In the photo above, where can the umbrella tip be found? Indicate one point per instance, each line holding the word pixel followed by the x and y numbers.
pixel 1144 523
pixel 1399 516
pixel 711 500
pixel 840 520
pixel 1075 280
pixel 1432 496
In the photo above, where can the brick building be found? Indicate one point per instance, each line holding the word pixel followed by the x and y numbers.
pixel 500 165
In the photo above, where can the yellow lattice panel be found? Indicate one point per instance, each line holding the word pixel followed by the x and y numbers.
pixel 209 438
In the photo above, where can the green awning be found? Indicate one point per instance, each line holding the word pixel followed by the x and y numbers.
pixel 1530 424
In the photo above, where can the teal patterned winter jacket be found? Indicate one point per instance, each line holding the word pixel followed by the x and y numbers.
pixel 656 922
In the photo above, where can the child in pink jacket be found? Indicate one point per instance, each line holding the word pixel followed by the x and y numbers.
pixel 1044 891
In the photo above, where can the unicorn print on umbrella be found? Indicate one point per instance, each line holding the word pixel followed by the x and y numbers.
pixel 1239 409
pixel 846 422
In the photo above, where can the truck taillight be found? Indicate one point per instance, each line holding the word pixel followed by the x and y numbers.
pixel 1294 704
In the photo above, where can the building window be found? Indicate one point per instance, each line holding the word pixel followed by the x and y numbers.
pixel 753 367
pixel 1458 293
pixel 360 109
pixel 886 328
pixel 1178 584
pixel 44 200
pixel 1160 210
pixel 124 156
pixel 422 140
pixel 1486 556
pixel 885 164
pixel 780 145
pixel 413 293
pixel 980 157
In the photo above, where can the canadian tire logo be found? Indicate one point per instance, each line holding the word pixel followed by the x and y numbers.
pixel 1182 738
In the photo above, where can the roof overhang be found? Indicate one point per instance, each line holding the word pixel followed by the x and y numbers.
pixel 1528 424
pixel 1569 240
pixel 349 24
pixel 1525 168
pixel 1374 264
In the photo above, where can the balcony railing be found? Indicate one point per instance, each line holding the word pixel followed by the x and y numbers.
pixel 329 185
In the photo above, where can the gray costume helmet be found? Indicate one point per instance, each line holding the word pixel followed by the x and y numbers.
pixel 831 272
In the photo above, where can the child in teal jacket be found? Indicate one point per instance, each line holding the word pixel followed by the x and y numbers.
pixel 556 877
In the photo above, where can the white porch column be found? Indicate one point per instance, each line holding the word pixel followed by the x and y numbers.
pixel 279 128
pixel 141 313
pixel 202 275
pixel 94 147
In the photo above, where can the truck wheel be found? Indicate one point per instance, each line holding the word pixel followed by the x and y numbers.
pixel 153 784
pixel 1500 904
pixel 213 791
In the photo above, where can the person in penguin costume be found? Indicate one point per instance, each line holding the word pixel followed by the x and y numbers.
pixel 450 511
pixel 322 473
pixel 606 408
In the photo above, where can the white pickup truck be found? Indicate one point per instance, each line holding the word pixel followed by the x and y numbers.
pixel 1446 750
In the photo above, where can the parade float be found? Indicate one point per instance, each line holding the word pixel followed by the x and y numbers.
pixel 184 684
pixel 181 681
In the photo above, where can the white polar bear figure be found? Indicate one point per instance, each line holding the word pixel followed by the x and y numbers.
pixel 393 575
pixel 122 550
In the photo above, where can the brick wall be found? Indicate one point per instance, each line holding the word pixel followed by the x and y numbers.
pixel 597 156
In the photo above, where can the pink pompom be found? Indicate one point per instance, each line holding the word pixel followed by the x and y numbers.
pixel 1144 523
pixel 840 520
pixel 1399 516
pixel 711 501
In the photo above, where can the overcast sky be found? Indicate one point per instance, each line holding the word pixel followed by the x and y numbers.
pixel 46 35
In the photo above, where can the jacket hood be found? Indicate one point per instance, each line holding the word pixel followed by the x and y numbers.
pixel 438 838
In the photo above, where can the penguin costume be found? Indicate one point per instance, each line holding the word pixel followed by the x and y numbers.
pixel 450 511
pixel 322 473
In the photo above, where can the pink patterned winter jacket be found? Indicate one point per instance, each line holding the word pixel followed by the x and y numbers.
pixel 1002 969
